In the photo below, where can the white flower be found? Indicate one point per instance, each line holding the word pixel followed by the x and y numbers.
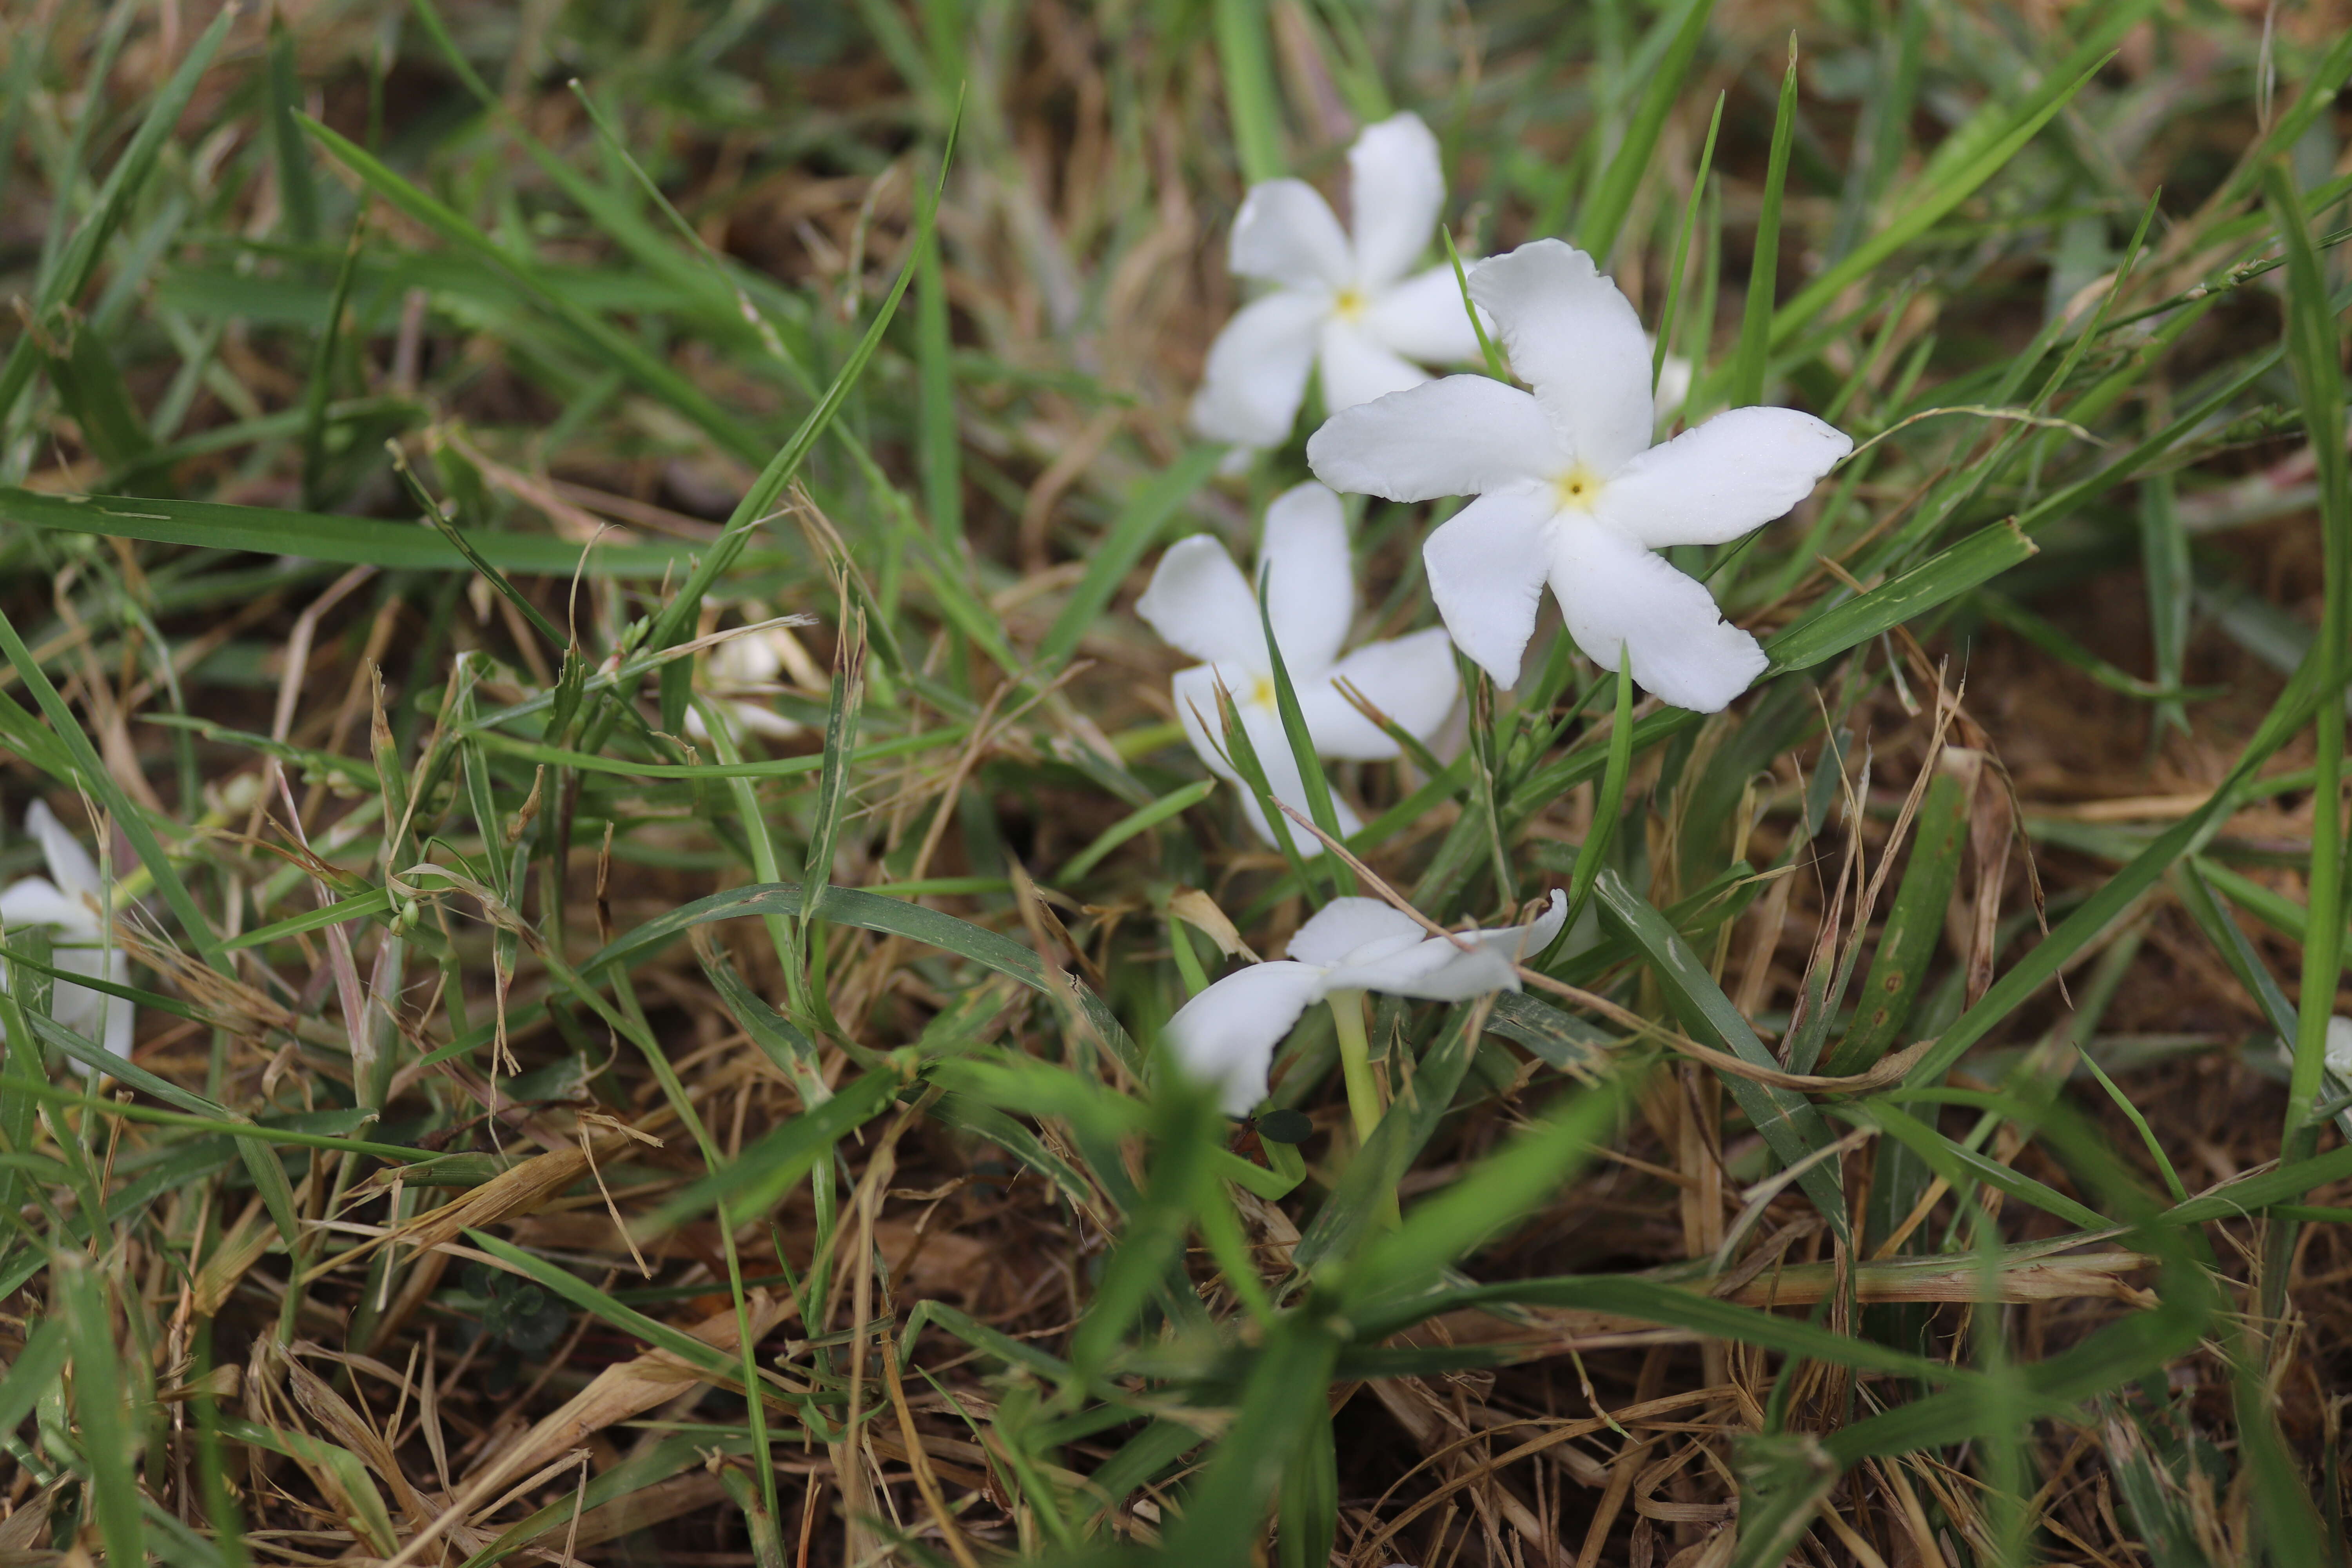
pixel 745 670
pixel 1226 1036
pixel 2338 1055
pixel 1569 488
pixel 70 899
pixel 1338 302
pixel 1199 602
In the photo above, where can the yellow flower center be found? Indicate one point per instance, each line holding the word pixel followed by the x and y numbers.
pixel 1261 693
pixel 1578 489
pixel 1349 304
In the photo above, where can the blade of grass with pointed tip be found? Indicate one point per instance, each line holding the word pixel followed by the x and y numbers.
pixel 1302 744
pixel 1747 361
pixel 298 192
pixel 1140 820
pixel 1958 568
pixel 768 488
pixel 1790 1123
pixel 1669 319
pixel 938 446
pixel 322 365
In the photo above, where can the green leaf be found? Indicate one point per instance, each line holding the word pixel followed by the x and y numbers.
pixel 1756 323
pixel 1142 819
pixel 353 541
pixel 1791 1124
pixel 1244 55
pixel 1943 577
pixel 767 1170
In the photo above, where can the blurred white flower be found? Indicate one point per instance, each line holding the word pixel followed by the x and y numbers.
pixel 1226 1036
pixel 2338 1054
pixel 70 899
pixel 1199 602
pixel 1340 303
pixel 1570 489
pixel 745 672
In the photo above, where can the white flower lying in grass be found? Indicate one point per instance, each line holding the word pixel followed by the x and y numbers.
pixel 1226 1036
pixel 1342 303
pixel 1569 488
pixel 69 899
pixel 1199 602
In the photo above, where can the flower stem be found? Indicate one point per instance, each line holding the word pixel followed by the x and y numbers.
pixel 1356 1061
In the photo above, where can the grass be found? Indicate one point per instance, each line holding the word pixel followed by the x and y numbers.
pixel 604 1095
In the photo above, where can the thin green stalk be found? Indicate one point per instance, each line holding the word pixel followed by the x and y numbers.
pixel 1356 1061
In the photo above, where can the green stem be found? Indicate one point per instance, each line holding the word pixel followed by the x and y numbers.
pixel 1355 1062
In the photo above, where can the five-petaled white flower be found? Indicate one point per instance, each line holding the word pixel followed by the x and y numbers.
pixel 1199 602
pixel 70 899
pixel 1569 487
pixel 1338 302
pixel 1226 1036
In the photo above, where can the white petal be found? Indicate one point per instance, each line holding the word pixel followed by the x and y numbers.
pixel 1357 368
pixel 1613 592
pixel 1462 436
pixel 37 901
pixel 1395 189
pixel 1195 694
pixel 1737 471
pixel 1226 1036
pixel 1305 843
pixel 2338 1054
pixel 1574 339
pixel 1310 580
pixel 1286 233
pixel 1257 374
pixel 1199 602
pixel 1486 567
pixel 1437 970
pixel 1423 318
pixel 101 1019
pixel 1352 928
pixel 70 866
pixel 1674 385
pixel 1521 943
pixel 1409 678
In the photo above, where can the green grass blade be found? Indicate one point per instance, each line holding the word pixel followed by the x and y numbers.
pixel 1764 272
pixel 1605 215
pixel 1244 55
pixel 1791 1124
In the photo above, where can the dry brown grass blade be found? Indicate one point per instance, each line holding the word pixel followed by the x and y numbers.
pixel 617 1393
pixel 517 1190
